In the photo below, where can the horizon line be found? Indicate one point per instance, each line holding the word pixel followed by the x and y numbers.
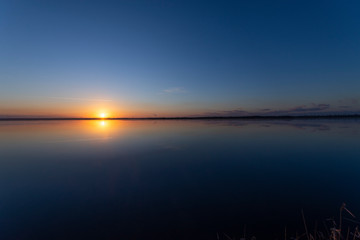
pixel 184 118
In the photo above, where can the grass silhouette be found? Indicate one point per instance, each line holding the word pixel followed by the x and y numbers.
pixel 336 230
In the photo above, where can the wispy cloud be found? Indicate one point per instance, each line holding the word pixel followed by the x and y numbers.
pixel 312 108
pixel 297 110
pixel 82 99
pixel 233 113
pixel 174 90
pixel 302 109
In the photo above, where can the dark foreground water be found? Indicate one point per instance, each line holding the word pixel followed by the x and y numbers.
pixel 174 179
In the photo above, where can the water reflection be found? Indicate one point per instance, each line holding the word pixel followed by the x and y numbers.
pixel 313 125
pixel 111 179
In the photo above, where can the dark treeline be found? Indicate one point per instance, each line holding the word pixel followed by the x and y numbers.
pixel 191 118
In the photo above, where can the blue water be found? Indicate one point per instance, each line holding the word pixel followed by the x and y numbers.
pixel 175 179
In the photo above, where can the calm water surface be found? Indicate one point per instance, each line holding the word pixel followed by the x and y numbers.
pixel 174 179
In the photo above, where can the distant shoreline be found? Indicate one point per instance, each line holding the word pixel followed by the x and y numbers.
pixel 190 118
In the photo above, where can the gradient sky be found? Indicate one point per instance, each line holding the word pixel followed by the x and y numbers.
pixel 178 58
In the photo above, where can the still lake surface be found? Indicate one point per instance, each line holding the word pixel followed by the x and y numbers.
pixel 174 179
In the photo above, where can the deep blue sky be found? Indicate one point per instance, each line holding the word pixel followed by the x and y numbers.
pixel 175 58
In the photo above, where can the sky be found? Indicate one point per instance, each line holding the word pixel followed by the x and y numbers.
pixel 145 58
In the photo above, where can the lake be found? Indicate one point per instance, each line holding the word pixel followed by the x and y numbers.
pixel 175 179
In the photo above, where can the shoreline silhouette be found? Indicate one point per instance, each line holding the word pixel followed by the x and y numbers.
pixel 188 118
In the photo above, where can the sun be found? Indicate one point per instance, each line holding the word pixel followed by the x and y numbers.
pixel 102 115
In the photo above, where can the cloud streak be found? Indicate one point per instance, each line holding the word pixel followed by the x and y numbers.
pixel 293 111
pixel 313 108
